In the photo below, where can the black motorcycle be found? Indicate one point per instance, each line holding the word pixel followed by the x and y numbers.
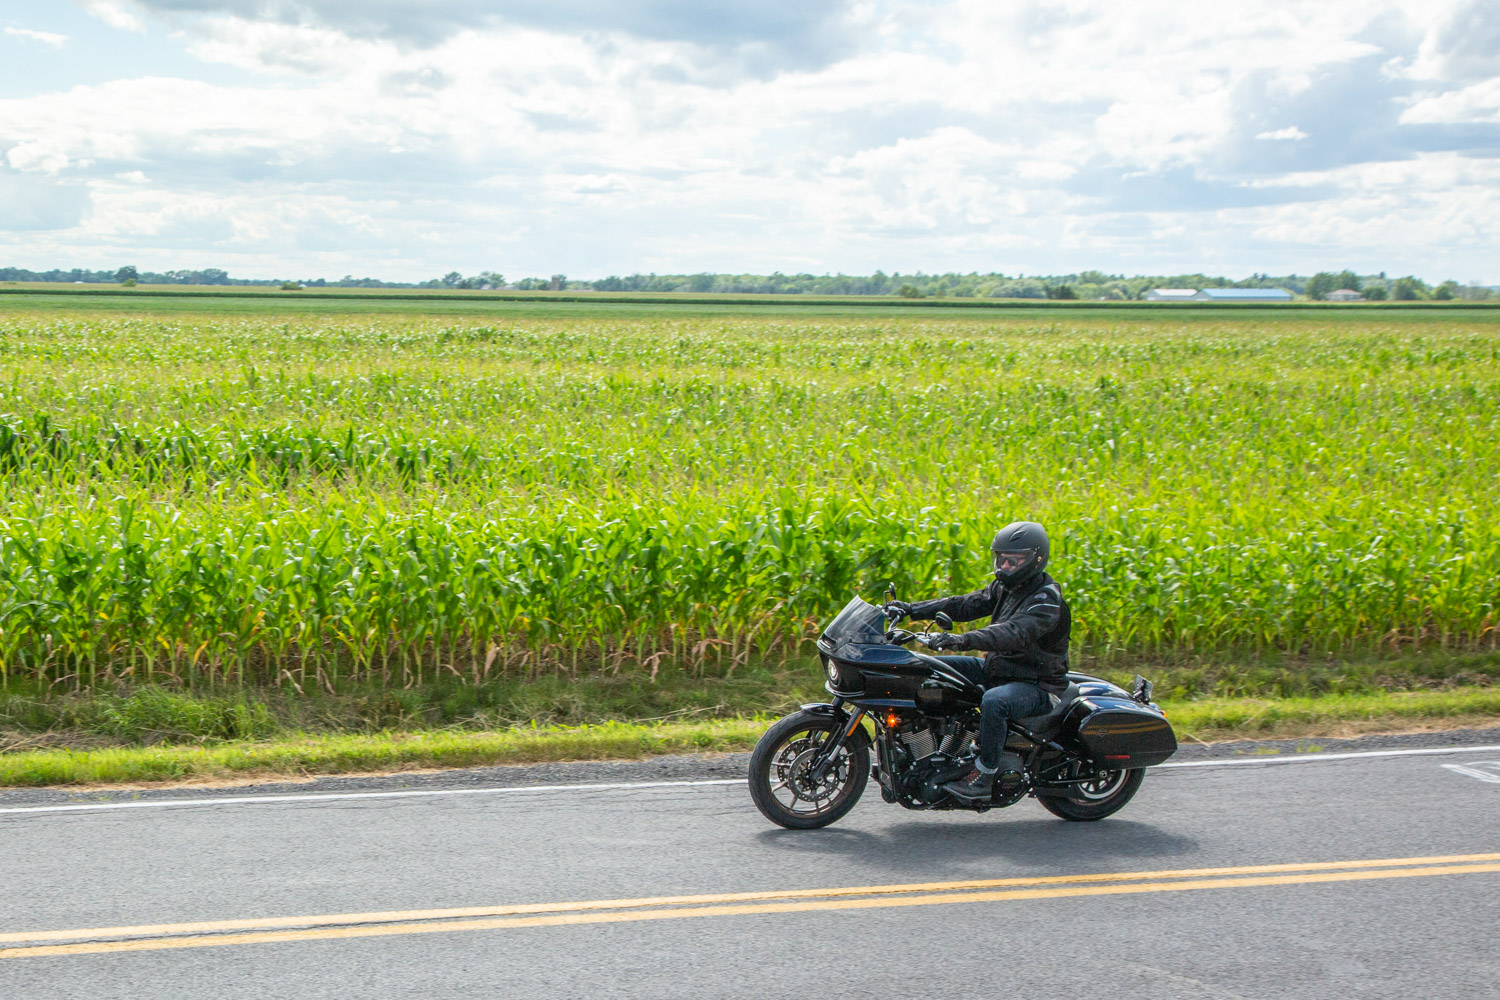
pixel 1084 759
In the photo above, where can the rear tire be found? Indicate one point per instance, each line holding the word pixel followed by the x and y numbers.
pixel 779 781
pixel 1094 800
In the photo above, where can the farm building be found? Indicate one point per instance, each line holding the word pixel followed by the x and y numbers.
pixel 1245 295
pixel 1218 295
pixel 1344 295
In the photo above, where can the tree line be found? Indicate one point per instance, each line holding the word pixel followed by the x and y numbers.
pixel 1080 285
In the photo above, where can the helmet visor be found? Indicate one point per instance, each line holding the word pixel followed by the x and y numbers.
pixel 1009 562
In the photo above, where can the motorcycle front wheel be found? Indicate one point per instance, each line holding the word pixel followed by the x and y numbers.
pixel 781 781
pixel 1097 798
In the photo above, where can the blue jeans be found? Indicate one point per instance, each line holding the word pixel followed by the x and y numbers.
pixel 1010 700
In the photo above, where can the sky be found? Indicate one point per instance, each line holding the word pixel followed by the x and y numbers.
pixel 403 140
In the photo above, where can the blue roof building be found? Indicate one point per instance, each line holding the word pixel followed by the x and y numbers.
pixel 1243 295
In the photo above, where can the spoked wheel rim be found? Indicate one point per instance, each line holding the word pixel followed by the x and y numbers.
pixel 789 774
pixel 1099 787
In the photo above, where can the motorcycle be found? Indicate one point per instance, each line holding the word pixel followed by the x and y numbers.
pixel 1084 759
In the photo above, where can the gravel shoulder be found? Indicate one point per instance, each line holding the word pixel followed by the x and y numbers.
pixel 670 767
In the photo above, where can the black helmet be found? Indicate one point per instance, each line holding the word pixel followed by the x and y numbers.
pixel 1020 549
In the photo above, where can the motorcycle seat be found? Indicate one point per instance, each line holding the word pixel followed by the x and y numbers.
pixel 1047 724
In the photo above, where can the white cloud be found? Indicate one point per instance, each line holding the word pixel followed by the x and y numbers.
pixel 45 37
pixel 1477 103
pixel 115 13
pixel 39 156
pixel 271 46
pixel 963 134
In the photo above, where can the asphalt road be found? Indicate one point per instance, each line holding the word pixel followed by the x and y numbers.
pixel 1377 925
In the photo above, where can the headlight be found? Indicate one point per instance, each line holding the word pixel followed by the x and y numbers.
pixel 832 669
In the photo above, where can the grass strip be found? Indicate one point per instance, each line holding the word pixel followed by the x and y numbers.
pixel 1227 718
pixel 394 751
pixel 1211 719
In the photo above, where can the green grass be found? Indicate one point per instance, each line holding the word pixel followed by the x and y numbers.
pixel 156 715
pixel 343 754
pixel 1226 718
pixel 306 755
pixel 161 734
pixel 223 301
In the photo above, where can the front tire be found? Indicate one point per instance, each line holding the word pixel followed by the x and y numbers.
pixel 780 784
pixel 1094 800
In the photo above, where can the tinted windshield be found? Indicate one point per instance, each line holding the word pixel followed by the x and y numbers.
pixel 858 622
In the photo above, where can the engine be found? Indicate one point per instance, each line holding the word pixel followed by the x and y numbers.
pixel 927 756
pixel 951 738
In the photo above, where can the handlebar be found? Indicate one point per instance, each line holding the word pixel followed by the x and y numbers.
pixel 901 637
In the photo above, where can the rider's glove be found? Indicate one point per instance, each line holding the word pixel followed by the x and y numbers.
pixel 897 609
pixel 945 640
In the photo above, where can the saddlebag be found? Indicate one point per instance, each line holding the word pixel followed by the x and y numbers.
pixel 1120 732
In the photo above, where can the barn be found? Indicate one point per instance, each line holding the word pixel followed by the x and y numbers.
pixel 1244 295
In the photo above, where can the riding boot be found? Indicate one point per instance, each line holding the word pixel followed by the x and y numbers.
pixel 976 785
pixel 979 783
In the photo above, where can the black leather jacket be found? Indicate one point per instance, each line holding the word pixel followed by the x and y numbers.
pixel 1027 638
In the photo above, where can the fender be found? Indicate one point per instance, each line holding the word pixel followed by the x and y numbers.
pixel 859 736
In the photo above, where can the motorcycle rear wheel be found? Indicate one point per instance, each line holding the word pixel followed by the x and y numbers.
pixel 781 785
pixel 1096 799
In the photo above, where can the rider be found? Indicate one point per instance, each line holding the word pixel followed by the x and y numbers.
pixel 1025 647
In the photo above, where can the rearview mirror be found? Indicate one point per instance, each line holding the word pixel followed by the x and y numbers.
pixel 944 622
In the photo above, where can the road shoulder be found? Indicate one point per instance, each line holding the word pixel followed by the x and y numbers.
pixel 668 767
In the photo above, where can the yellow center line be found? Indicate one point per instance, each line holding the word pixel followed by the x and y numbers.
pixel 392 916
pixel 516 909
pixel 737 909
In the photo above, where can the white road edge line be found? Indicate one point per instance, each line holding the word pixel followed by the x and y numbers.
pixel 338 796
pixel 1313 757
pixel 629 785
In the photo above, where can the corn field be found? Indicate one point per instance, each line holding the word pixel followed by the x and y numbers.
pixel 211 500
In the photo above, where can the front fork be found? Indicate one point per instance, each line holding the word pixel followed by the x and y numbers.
pixel 825 759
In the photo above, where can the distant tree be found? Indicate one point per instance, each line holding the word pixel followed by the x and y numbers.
pixel 127 273
pixel 1408 288
pixel 1061 292
pixel 909 291
pixel 1321 284
pixel 700 283
pixel 1348 279
pixel 453 279
pixel 1019 288
pixel 1375 291
pixel 1446 291
pixel 558 282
